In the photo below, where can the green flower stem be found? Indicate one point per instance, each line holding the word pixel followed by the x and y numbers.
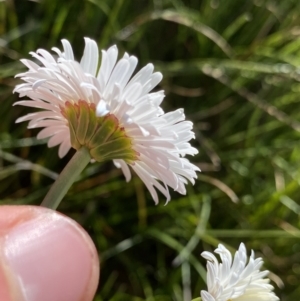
pixel 197 299
pixel 67 177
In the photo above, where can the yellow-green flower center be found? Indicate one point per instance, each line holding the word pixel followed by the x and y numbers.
pixel 103 136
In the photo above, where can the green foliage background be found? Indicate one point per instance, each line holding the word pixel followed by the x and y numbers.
pixel 234 67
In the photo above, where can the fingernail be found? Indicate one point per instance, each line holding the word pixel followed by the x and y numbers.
pixel 49 258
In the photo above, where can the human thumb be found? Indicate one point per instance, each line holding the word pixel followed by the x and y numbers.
pixel 45 256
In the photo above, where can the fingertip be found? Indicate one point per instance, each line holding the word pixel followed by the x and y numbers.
pixel 49 255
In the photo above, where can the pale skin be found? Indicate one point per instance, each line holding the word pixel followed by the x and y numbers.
pixel 45 255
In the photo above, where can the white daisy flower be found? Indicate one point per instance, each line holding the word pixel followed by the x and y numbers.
pixel 110 112
pixel 236 280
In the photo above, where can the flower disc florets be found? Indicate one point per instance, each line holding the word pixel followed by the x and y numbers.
pixel 237 279
pixel 76 97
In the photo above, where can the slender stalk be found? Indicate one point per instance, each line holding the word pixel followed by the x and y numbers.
pixel 67 177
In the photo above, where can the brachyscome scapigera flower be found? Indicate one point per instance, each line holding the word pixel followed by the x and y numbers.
pixel 236 279
pixel 110 112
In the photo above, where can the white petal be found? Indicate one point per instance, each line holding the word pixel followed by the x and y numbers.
pixel 154 80
pixel 46 55
pixel 49 131
pixel 102 108
pixel 64 148
pixel 89 61
pixel 126 171
pixel 68 51
pixel 207 296
pixel 108 62
pixel 57 139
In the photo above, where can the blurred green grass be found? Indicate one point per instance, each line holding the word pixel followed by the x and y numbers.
pixel 234 67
